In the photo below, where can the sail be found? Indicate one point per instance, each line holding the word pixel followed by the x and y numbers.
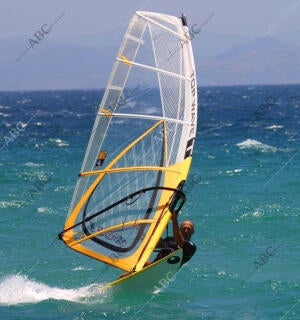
pixel 139 152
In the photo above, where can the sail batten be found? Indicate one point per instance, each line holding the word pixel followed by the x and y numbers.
pixel 99 233
pixel 141 168
pixel 139 152
pixel 131 37
pixel 132 63
pixel 142 116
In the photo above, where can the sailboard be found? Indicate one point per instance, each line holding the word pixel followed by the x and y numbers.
pixel 154 277
pixel 140 150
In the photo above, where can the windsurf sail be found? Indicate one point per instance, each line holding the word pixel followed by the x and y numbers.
pixel 140 150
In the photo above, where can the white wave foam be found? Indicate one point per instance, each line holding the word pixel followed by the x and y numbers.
pixel 11 204
pixel 274 127
pixel 254 144
pixel 32 164
pixel 7 124
pixel 81 269
pixel 44 210
pixel 18 289
pixel 151 110
pixel 24 100
pixel 59 142
pixel 258 213
pixel 231 172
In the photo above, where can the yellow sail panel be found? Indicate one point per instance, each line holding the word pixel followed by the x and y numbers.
pixel 76 242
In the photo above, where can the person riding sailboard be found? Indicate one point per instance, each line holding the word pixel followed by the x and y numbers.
pixel 139 153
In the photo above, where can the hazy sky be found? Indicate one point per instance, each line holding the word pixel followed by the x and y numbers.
pixel 253 18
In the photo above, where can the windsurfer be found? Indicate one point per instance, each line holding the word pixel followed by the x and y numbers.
pixel 181 239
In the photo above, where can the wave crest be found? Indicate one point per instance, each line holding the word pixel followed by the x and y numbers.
pixel 257 145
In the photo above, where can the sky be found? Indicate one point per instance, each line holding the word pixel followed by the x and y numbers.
pixel 254 18
pixel 68 43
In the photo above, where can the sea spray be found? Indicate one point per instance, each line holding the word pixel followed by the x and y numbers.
pixel 19 289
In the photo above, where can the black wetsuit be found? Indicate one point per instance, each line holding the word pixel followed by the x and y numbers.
pixel 168 245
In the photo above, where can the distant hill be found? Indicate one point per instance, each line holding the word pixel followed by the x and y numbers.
pixel 263 61
pixel 291 38
pixel 86 62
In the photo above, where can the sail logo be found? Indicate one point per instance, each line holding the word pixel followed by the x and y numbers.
pixel 110 235
pixel 192 131
pixel 193 106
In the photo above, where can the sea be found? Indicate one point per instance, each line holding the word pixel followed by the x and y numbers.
pixel 242 194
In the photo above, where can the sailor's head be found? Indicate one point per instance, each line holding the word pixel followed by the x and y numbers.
pixel 187 229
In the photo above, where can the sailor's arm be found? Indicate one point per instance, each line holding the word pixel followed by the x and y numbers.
pixel 178 237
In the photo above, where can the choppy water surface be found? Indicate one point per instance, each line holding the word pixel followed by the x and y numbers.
pixel 243 195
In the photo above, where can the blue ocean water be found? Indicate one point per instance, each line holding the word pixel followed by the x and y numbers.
pixel 242 194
